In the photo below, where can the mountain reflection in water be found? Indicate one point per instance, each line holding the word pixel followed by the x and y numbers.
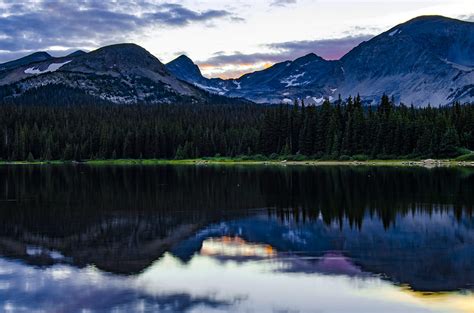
pixel 236 239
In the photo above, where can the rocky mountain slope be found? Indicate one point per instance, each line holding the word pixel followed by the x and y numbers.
pixel 124 73
pixel 429 59
pixel 34 57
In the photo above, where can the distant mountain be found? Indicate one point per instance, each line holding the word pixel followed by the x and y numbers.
pixel 429 59
pixel 185 69
pixel 35 57
pixel 76 53
pixel 31 66
pixel 309 77
pixel 281 82
pixel 124 73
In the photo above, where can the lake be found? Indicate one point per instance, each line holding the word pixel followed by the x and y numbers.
pixel 77 238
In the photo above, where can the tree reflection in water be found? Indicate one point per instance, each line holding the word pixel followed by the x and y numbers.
pixel 407 226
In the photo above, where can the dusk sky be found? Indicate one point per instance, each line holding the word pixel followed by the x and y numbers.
pixel 225 37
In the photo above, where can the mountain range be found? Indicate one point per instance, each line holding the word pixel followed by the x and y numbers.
pixel 427 60
pixel 122 73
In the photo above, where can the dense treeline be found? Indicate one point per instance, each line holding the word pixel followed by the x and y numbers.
pixel 110 131
pixel 75 130
pixel 385 131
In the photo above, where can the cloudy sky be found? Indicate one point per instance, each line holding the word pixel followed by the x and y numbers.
pixel 225 37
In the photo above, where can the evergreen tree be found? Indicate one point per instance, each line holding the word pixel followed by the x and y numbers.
pixel 77 130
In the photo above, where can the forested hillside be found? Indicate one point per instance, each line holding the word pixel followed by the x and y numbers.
pixel 73 126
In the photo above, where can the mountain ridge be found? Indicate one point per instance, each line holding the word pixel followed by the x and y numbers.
pixel 122 73
pixel 426 60
pixel 28 59
pixel 431 62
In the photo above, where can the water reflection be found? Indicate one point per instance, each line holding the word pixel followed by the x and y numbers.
pixel 235 247
pixel 63 288
pixel 236 239
pixel 209 284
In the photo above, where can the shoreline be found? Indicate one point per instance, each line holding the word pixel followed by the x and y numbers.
pixel 430 163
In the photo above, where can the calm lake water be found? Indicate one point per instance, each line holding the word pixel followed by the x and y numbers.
pixel 236 239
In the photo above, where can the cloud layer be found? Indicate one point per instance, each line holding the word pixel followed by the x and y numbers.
pixel 203 27
pixel 329 49
pixel 49 25
pixel 282 3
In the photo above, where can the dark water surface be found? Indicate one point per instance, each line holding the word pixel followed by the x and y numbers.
pixel 236 239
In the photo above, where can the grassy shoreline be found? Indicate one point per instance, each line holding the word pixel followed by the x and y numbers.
pixel 231 161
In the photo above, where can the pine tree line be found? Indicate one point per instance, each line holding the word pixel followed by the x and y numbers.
pixel 346 129
pixel 71 130
pixel 112 132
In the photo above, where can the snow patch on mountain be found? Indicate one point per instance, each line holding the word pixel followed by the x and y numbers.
pixel 393 33
pixel 209 88
pixel 291 80
pixel 318 100
pixel 51 68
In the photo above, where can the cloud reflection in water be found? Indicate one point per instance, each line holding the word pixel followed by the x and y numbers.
pixel 211 283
